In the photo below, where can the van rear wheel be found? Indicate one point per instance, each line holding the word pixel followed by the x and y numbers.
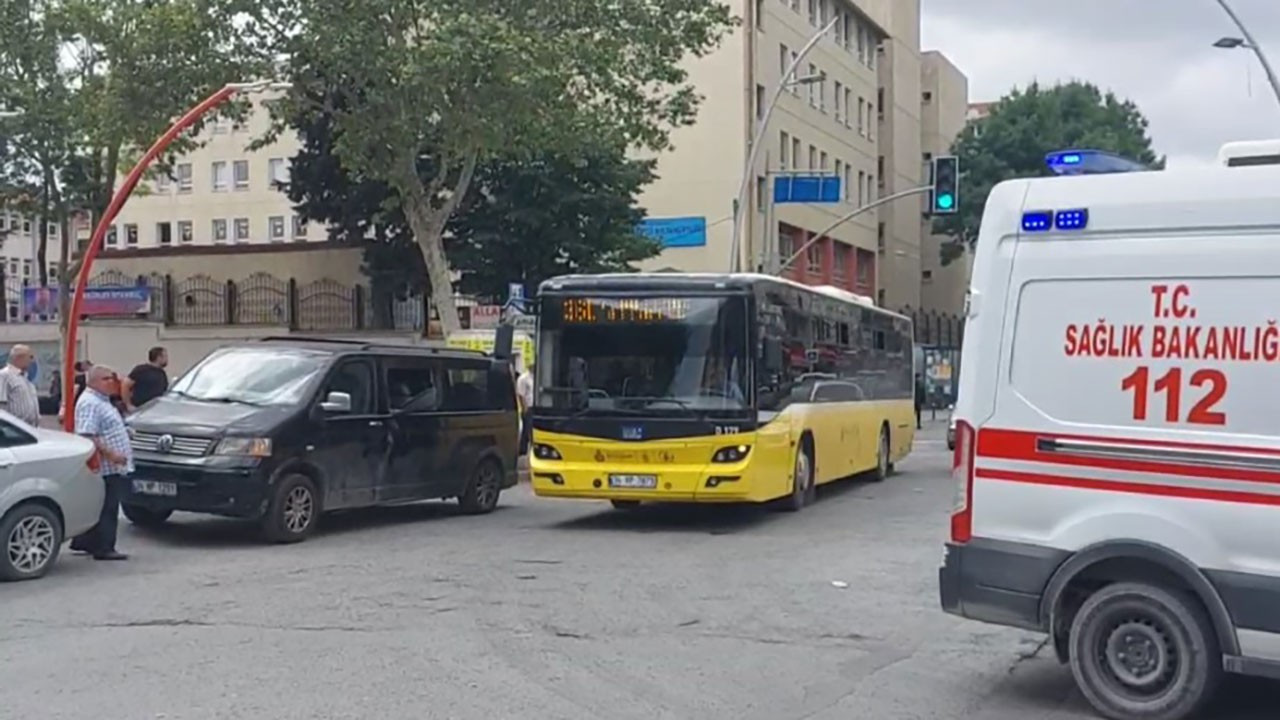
pixel 1141 652
pixel 483 489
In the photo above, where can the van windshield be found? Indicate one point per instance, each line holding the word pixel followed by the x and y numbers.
pixel 253 376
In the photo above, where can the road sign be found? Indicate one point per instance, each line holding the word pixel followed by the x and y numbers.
pixel 515 291
pixel 485 317
pixel 806 189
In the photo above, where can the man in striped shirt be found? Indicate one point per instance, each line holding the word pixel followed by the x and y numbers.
pixel 99 420
pixel 18 394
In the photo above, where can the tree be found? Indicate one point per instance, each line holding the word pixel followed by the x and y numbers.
pixel 460 81
pixel 526 219
pixel 1022 128
pixel 97 81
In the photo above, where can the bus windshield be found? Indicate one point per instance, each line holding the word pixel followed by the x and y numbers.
pixel 643 355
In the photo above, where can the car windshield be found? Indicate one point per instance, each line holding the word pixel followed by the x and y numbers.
pixel 661 355
pixel 253 376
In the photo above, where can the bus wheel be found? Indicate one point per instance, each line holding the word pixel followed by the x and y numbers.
pixel 883 466
pixel 1141 651
pixel 803 490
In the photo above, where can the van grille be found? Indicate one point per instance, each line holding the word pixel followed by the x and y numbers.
pixel 181 445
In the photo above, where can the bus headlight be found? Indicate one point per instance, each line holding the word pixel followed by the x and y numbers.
pixel 732 454
pixel 545 452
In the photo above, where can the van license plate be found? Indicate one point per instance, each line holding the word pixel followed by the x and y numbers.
pixel 151 487
pixel 633 481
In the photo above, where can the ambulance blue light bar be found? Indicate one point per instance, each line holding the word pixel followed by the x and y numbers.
pixel 1036 221
pixel 1090 162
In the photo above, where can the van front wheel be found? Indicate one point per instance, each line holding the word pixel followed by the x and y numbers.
pixel 1141 652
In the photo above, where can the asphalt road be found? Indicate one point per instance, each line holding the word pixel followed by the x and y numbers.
pixel 545 609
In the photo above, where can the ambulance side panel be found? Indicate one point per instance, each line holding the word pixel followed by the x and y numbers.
pixel 1136 396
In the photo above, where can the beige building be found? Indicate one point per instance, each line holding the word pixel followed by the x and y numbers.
pixel 853 110
pixel 219 194
pixel 944 100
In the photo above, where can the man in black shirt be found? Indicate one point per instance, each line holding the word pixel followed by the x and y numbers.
pixel 148 380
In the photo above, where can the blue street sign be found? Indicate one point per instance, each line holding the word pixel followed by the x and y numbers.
pixel 515 291
pixel 806 189
pixel 676 232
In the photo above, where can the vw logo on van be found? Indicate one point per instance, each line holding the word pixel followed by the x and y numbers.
pixel 164 443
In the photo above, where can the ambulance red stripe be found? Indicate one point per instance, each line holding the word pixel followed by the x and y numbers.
pixel 1020 445
pixel 1174 491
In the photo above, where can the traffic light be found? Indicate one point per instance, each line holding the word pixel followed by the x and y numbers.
pixel 945 197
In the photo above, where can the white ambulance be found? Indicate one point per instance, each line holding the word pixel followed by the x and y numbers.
pixel 1117 454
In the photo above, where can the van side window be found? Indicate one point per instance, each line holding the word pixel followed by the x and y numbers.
pixel 416 386
pixel 468 388
pixel 11 436
pixel 355 379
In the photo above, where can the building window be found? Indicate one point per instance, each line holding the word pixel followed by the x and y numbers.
pixel 184 177
pixel 26 227
pixel 164 233
pixel 928 157
pixel 26 268
pixel 849 22
pixel 862 107
pixel 927 96
pixel 186 232
pixel 795 153
pixel 871 182
pixel 277 173
pixel 840 261
pixel 813 158
pixel 813 258
pixel 822 93
pixel 870 125
pixel 840 28
pixel 813 13
pixel 813 89
pixel 220 231
pixel 762 197
pixel 131 234
pixel 784 61
pixel 112 237
pixel 53 231
pixel 838 99
pixel 760 15
pixel 880 237
pixel 839 169
pixel 822 161
pixel 276 226
pixel 242 230
pixel 926 276
pixel 163 182
pixel 862 44
pixel 299 228
pixel 848 179
pixel 880 103
pixel 795 5
pixel 220 180
pixel 862 187
pixel 4 220
pixel 784 155
pixel 13 268
pixel 241 172
pixel 760 102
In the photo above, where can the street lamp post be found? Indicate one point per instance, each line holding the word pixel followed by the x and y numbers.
pixel 1249 43
pixel 113 208
pixel 748 170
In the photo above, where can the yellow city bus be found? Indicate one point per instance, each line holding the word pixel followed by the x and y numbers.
pixel 681 387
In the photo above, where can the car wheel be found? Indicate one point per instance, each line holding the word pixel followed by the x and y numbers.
pixel 145 517
pixel 484 488
pixel 294 510
pixel 625 504
pixel 1140 652
pixel 883 466
pixel 803 489
pixel 32 536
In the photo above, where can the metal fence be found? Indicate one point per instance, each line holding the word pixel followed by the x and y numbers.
pixel 258 299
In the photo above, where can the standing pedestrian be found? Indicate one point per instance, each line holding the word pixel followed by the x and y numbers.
pixel 18 394
pixel 99 420
pixel 524 394
pixel 148 380
pixel 920 393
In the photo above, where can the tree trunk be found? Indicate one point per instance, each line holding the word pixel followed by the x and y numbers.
pixel 42 267
pixel 427 221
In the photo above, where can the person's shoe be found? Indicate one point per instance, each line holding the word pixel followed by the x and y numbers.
pixel 113 555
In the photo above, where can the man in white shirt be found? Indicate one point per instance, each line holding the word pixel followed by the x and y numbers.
pixel 524 394
pixel 18 394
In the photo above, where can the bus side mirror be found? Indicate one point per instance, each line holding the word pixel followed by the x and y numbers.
pixel 773 355
pixel 503 339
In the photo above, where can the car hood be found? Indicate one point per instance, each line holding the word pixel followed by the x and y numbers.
pixel 183 416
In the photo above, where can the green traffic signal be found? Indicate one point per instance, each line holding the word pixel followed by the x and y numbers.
pixel 946 202
pixel 946 184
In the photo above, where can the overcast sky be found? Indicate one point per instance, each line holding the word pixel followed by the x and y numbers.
pixel 1156 52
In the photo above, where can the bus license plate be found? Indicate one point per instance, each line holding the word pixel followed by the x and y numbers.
pixel 151 487
pixel 633 481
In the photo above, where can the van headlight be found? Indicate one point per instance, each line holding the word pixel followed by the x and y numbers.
pixel 245 447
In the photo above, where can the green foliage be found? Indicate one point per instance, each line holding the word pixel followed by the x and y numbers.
pixel 525 220
pixel 461 81
pixel 1022 128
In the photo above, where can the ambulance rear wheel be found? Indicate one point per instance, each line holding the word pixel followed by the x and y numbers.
pixel 1141 652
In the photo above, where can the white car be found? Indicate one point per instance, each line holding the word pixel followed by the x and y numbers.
pixel 47 494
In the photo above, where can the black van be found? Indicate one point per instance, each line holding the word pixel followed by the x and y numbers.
pixel 284 429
